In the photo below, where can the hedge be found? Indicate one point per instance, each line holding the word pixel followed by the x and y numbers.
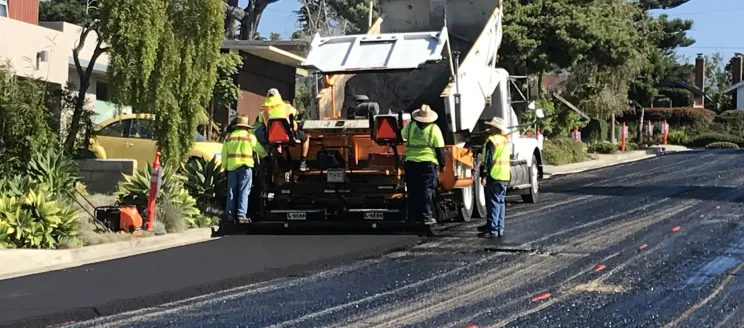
pixel 603 148
pixel 675 116
pixel 707 138
pixel 561 151
pixel 722 145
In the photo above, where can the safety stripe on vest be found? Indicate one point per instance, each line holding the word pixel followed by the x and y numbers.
pixel 240 155
pixel 248 138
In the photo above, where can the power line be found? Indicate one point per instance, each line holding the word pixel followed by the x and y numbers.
pixel 700 47
pixel 703 12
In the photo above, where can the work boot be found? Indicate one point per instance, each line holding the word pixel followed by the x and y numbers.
pixel 244 220
pixel 430 221
pixel 303 165
pixel 483 228
pixel 488 235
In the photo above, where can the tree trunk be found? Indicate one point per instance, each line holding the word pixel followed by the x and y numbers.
pixel 249 23
pixel 539 84
pixel 230 20
pixel 640 127
pixel 613 139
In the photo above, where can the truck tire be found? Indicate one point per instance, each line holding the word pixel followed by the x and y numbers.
pixel 465 198
pixel 532 196
pixel 479 191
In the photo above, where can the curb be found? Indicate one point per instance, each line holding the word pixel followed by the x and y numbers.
pixel 22 262
pixel 599 164
pixel 125 305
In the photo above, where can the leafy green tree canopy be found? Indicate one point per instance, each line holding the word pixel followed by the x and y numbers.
pixel 164 56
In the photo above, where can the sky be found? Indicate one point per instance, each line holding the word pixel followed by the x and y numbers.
pixel 715 28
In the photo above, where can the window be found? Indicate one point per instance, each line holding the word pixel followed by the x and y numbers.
pixel 115 129
pixel 140 129
pixel 3 8
pixel 102 90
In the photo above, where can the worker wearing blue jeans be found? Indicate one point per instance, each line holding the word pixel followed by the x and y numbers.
pixel 238 159
pixel 495 175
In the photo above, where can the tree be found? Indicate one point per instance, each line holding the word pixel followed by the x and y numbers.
pixel 226 92
pixel 164 61
pixel 318 16
pixel 716 81
pixel 275 36
pixel 91 24
pixel 253 12
pixel 71 11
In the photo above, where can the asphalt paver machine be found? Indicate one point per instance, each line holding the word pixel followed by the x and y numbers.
pixel 437 52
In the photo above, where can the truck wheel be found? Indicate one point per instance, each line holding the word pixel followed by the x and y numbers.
pixel 534 185
pixel 466 202
pixel 480 191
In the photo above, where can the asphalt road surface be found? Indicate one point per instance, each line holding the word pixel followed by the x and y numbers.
pixel 655 243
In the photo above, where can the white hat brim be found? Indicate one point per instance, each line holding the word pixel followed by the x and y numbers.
pixel 416 116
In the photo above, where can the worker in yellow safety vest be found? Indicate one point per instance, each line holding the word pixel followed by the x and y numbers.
pixel 238 160
pixel 274 107
pixel 495 174
pixel 424 160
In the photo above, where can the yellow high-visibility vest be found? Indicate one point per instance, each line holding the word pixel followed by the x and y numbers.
pixel 421 143
pixel 501 163
pixel 238 150
pixel 272 108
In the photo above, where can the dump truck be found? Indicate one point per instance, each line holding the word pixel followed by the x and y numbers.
pixel 442 53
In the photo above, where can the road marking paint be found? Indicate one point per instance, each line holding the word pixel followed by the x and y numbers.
pixel 718 207
pixel 599 267
pixel 644 245
pixel 676 228
pixel 541 297
pixel 702 215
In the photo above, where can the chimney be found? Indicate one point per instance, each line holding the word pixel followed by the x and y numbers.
pixel 736 68
pixel 699 80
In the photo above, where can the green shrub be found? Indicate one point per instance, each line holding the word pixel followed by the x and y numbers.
pixel 602 148
pixel 25 120
pixel 696 118
pixel 707 138
pixel 561 151
pixel 135 190
pixel 36 220
pixel 732 121
pixel 677 137
pixel 207 183
pixel 722 145
pixel 629 146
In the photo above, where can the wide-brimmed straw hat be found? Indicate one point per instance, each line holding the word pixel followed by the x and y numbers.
pixel 498 123
pixel 243 122
pixel 424 115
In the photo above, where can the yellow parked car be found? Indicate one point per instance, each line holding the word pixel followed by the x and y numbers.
pixel 130 137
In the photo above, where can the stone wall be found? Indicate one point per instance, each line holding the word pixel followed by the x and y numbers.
pixel 101 176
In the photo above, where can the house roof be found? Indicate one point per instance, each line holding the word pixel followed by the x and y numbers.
pixel 734 87
pixel 269 50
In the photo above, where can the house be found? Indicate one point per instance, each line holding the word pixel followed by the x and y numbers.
pixel 266 65
pixel 43 50
pixel 736 90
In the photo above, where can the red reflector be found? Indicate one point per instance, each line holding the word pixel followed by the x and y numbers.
pixel 385 130
pixel 278 133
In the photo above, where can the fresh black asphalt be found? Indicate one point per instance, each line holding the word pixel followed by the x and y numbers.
pixel 654 243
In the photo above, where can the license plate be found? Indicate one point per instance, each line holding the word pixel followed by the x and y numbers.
pixel 335 176
pixel 373 216
pixel 296 216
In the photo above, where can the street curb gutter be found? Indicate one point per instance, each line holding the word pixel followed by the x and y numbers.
pixel 22 262
pixel 137 303
pixel 601 164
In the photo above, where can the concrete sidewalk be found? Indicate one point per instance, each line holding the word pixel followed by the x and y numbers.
pixel 602 160
pixel 22 262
